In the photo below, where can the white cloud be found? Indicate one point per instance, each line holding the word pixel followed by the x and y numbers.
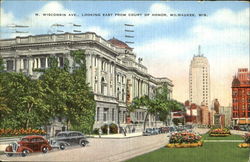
pixel 46 21
pixel 225 44
pixel 99 31
pixel 42 24
pixel 228 17
pixel 6 18
pixel 156 8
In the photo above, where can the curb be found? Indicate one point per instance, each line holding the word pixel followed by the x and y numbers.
pixel 125 137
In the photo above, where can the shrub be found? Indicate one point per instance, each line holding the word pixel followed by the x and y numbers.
pixel 247 137
pixel 113 128
pixel 104 129
pixel 222 131
pixel 184 137
pixel 21 132
pixel 95 131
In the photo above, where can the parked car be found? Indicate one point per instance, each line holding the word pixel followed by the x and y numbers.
pixel 68 138
pixel 156 130
pixel 243 128
pixel 28 144
pixel 172 129
pixel 236 127
pixel 148 132
pixel 164 129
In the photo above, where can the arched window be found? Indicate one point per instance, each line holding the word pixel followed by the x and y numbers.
pixel 103 86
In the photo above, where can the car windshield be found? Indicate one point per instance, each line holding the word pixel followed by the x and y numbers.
pixel 62 135
pixel 25 140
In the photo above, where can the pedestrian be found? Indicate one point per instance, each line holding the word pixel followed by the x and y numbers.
pixel 124 131
pixel 133 130
pixel 100 132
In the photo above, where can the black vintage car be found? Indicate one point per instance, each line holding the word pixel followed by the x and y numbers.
pixel 68 138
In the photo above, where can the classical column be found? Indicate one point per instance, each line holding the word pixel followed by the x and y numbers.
pixel 35 63
pixel 99 68
pixel 88 66
pixel 58 61
pixel 30 65
pixel 17 65
pixel 46 62
pixel 21 64
pixel 93 73
pixel 108 78
pixel 38 63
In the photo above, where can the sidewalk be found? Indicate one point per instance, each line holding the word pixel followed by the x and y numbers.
pixel 118 136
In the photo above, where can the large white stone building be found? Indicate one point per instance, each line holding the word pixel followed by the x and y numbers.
pixel 113 72
pixel 199 80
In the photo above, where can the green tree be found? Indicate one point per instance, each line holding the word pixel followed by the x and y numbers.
pixel 1 64
pixel 67 93
pixel 160 104
pixel 81 97
pixel 23 96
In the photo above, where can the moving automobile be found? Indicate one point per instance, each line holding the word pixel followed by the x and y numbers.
pixel 148 132
pixel 28 144
pixel 68 138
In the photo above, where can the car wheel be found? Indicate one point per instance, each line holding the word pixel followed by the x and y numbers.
pixel 62 146
pixel 25 152
pixel 45 149
pixel 9 154
pixel 82 143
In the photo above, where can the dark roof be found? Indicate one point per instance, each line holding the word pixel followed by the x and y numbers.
pixel 235 82
pixel 119 43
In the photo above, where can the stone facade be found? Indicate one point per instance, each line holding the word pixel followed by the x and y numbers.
pixel 113 72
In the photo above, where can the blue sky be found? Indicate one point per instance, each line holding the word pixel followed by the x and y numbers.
pixel 166 43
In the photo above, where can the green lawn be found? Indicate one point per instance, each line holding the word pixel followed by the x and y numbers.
pixel 231 137
pixel 209 152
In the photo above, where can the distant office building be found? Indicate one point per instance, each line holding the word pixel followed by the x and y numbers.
pixel 199 80
pixel 241 97
pixel 227 112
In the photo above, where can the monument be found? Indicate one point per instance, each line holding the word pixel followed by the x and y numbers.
pixel 218 118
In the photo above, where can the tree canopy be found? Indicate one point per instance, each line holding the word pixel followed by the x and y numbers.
pixel 59 92
pixel 160 104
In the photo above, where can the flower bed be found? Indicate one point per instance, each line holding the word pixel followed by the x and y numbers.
pixel 184 140
pixel 219 132
pixel 21 132
pixel 246 143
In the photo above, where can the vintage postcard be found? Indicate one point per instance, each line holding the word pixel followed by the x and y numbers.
pixel 128 81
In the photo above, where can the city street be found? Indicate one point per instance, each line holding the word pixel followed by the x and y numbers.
pixel 100 150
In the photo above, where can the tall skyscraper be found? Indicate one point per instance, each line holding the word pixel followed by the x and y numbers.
pixel 199 80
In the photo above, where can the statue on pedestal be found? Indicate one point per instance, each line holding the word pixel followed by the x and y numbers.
pixel 216 106
pixel 217 115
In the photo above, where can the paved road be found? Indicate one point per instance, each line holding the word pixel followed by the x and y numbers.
pixel 100 150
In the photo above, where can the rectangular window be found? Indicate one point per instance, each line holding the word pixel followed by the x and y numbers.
pixel 113 114
pixel 43 61
pixel 105 114
pixel 25 64
pixel 10 65
pixel 61 63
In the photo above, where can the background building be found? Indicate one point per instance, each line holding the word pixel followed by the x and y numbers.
pixel 113 71
pixel 241 97
pixel 199 80
pixel 227 112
